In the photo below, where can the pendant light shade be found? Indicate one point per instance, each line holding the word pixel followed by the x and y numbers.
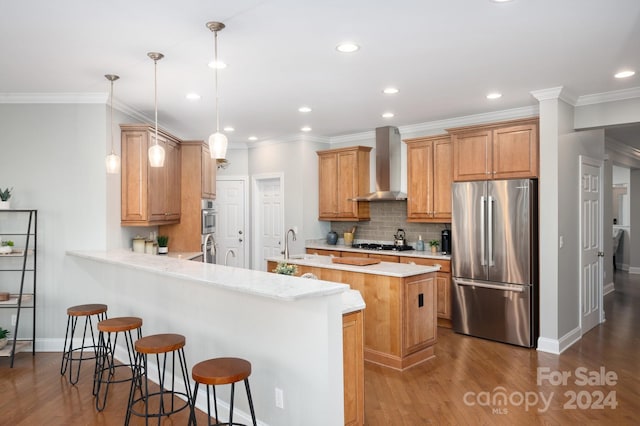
pixel 113 160
pixel 217 141
pixel 218 145
pixel 156 152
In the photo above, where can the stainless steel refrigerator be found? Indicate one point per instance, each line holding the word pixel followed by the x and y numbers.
pixel 495 260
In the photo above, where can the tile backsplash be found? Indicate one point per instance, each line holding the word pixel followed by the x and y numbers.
pixel 386 218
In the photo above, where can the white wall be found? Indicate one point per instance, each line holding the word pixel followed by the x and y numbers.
pixel 53 155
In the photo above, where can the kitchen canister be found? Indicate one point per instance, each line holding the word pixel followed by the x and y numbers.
pixel 332 238
pixel 139 244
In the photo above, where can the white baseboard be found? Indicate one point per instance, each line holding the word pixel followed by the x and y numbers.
pixel 557 346
pixel 608 288
pixel 633 270
pixel 622 267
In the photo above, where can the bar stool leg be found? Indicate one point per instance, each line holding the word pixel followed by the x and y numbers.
pixel 253 414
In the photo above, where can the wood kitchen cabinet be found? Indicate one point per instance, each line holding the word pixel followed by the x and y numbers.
pixel 198 181
pixel 443 286
pixel 150 195
pixel 343 175
pixel 429 176
pixel 505 150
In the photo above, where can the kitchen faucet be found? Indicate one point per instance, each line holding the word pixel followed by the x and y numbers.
pixel 226 256
pixel 286 242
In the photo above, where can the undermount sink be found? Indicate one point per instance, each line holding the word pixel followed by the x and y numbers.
pixel 303 256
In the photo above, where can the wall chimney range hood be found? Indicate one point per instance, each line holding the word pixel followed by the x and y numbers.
pixel 388 170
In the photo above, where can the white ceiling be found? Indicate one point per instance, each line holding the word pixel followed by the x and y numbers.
pixel 444 56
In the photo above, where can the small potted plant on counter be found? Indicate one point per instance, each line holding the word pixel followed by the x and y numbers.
pixel 434 245
pixel 285 269
pixel 163 241
pixel 5 195
pixel 4 333
pixel 6 247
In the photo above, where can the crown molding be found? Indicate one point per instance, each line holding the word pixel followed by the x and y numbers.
pixel 616 95
pixel 132 112
pixel 441 125
pixel 54 98
pixel 559 92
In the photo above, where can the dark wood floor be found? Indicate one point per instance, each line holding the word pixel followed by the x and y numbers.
pixel 34 393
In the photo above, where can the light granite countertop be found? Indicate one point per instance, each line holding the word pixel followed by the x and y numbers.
pixel 248 281
pixel 322 245
pixel 391 269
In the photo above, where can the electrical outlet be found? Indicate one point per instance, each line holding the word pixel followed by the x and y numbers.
pixel 295 229
pixel 279 398
pixel 14 319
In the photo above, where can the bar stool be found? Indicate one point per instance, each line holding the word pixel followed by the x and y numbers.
pixel 106 367
pixel 73 314
pixel 160 345
pixel 223 371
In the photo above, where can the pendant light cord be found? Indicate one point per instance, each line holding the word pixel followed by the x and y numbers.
pixel 216 64
pixel 111 118
pixel 155 83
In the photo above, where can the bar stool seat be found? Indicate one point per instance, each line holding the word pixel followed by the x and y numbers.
pixel 106 367
pixel 223 371
pixel 161 403
pixel 77 354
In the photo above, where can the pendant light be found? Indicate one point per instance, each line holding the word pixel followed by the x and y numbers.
pixel 113 160
pixel 156 152
pixel 217 141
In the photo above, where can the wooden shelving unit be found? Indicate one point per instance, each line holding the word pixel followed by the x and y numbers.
pixel 18 275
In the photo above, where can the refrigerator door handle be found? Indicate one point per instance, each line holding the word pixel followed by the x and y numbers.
pixel 490 230
pixel 518 289
pixel 482 256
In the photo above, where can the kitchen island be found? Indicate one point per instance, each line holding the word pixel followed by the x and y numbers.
pixel 290 329
pixel 400 325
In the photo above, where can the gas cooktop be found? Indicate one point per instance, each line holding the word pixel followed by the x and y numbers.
pixel 384 247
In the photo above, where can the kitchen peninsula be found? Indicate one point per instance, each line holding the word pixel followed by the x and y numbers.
pixel 400 326
pixel 290 329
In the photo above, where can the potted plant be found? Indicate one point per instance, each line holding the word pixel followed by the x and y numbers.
pixel 434 245
pixel 5 195
pixel 163 241
pixel 4 333
pixel 285 269
pixel 6 247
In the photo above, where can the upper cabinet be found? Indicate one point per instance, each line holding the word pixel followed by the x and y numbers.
pixel 150 195
pixel 198 171
pixel 504 150
pixel 343 175
pixel 429 174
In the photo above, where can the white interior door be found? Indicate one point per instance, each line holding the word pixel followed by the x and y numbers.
pixel 591 249
pixel 268 219
pixel 231 229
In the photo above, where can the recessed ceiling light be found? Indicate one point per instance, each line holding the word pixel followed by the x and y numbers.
pixel 388 115
pixel 347 47
pixel 390 90
pixel 304 109
pixel 306 129
pixel 229 129
pixel 494 95
pixel 624 74
pixel 220 65
pixel 253 138
pixel 193 96
pixel 500 1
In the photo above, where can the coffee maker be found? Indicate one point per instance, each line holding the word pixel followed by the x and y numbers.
pixel 445 241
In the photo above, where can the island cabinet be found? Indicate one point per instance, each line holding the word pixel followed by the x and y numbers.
pixel 353 368
pixel 400 323
pixel 429 176
pixel 150 195
pixel 343 175
pixel 443 286
pixel 505 150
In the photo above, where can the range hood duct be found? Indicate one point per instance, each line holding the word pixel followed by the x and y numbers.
pixel 388 166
